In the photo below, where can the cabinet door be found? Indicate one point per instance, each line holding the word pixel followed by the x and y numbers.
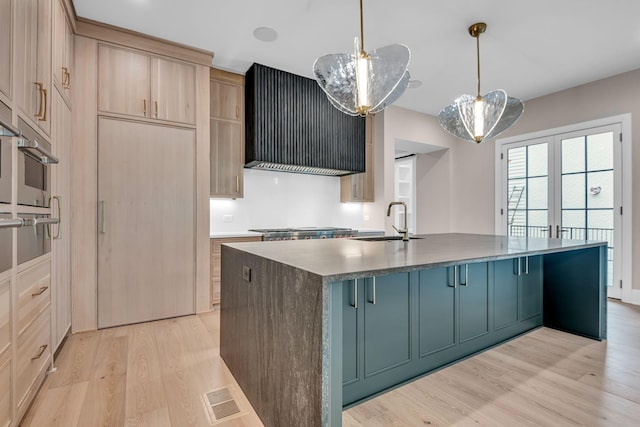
pixel 227 159
pixel 350 330
pixel 173 91
pixel 5 391
pixel 505 306
pixel 474 301
pixel 26 43
pixel 227 101
pixel 5 47
pixel 62 49
pixel 436 310
pixel 43 64
pixel 123 81
pixel 61 208
pixel 531 287
pixel 387 323
pixel 146 242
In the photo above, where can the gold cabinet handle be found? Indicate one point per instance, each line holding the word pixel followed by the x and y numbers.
pixel 40 352
pixel 156 105
pixel 40 108
pixel 44 116
pixel 40 292
pixel 66 78
pixel 144 113
pixel 237 183
pixel 237 111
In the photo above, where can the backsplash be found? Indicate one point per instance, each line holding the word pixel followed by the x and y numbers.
pixel 277 199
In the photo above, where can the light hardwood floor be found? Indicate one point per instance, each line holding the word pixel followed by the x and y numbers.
pixel 154 374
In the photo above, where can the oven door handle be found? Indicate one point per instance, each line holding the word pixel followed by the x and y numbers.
pixel 44 157
pixel 8 130
pixel 37 221
pixel 11 223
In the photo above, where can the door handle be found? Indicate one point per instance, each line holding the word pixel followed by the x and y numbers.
pixel 526 265
pixel 455 278
pixel 466 276
pixel 144 104
pixel 40 352
pixel 44 116
pixel 39 113
pixel 40 291
pixel 373 290
pixel 103 212
pixel 156 105
pixel 355 293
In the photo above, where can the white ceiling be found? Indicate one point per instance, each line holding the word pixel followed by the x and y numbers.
pixel 531 48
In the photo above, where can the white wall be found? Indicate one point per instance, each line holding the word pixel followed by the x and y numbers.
pixel 278 199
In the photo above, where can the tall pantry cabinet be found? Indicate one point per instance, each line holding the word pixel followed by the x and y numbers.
pixel 35 295
pixel 141 109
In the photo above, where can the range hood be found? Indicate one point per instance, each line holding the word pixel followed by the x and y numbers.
pixel 292 127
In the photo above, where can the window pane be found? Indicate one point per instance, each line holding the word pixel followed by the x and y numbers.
pixel 600 151
pixel 573 191
pixel 538 219
pixel 602 219
pixel 538 160
pixel 573 219
pixel 517 162
pixel 537 190
pixel 600 194
pixel 573 155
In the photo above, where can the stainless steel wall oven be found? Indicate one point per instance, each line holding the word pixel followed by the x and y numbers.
pixel 34 236
pixel 34 174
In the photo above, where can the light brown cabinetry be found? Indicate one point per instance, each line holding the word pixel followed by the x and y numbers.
pixel 227 134
pixel 216 245
pixel 360 187
pixel 133 83
pixel 34 294
pixel 32 60
pixel 62 50
pixel 5 50
pixel 61 209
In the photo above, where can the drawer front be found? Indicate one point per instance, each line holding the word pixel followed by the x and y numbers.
pixel 5 317
pixel 34 293
pixel 216 244
pixel 33 356
pixel 5 392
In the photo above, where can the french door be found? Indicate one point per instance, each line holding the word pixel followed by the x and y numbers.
pixel 567 186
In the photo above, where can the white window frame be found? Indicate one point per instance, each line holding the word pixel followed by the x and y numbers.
pixel 624 120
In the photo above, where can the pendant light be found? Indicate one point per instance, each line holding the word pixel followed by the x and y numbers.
pixel 481 117
pixel 364 82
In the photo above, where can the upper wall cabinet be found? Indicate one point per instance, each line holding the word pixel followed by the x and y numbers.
pixel 32 58
pixel 227 134
pixel 359 186
pixel 62 51
pixel 136 84
pixel 5 47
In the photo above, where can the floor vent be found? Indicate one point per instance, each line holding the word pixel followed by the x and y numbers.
pixel 221 405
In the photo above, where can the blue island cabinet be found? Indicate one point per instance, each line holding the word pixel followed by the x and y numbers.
pixel 400 326
pixel 376 334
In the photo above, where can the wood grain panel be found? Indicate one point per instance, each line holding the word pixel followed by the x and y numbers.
pixel 173 91
pixel 124 78
pixel 6 25
pixel 146 245
pixel 5 315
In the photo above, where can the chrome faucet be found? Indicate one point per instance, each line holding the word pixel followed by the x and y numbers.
pixel 404 231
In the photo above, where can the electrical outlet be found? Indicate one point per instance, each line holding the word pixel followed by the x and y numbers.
pixel 366 217
pixel 246 273
pixel 227 218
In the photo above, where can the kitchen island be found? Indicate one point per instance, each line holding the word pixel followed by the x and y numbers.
pixel 311 326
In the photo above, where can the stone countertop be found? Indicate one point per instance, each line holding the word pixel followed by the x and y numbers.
pixel 342 259
pixel 232 234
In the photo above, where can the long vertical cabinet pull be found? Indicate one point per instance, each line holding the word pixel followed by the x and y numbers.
pixel 466 276
pixel 455 277
pixel 526 265
pixel 41 107
pixel 156 106
pixel 355 293
pixel 103 227
pixel 373 290
pixel 144 106
pixel 519 266
pixel 44 116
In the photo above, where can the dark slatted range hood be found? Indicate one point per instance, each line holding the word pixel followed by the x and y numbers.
pixel 292 127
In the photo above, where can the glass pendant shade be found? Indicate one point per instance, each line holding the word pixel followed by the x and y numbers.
pixel 481 117
pixel 478 118
pixel 364 82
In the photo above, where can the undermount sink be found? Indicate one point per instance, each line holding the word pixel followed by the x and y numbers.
pixel 383 238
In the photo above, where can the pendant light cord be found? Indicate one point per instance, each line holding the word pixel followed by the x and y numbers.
pixel 478 53
pixel 361 28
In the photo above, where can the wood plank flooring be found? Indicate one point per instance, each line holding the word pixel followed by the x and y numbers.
pixel 155 374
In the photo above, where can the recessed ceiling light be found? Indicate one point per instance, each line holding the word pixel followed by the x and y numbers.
pixel 265 34
pixel 414 84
